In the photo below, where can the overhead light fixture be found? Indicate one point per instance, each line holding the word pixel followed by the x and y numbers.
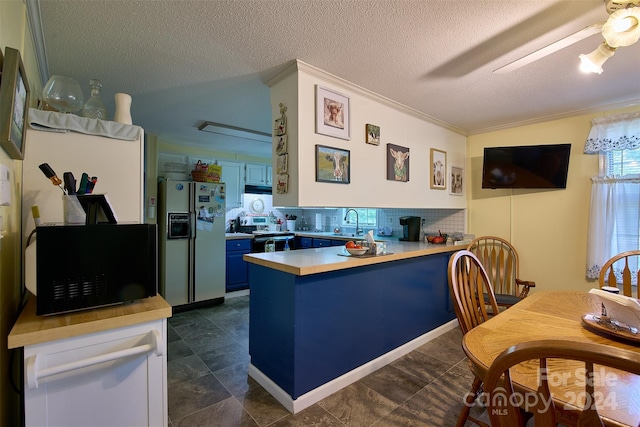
pixel 622 28
pixel 592 63
pixel 236 132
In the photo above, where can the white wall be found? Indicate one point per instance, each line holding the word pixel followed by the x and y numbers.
pixel 369 186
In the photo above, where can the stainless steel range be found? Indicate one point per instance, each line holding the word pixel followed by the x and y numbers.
pixel 259 227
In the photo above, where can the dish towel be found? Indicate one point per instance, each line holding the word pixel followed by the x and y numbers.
pixel 52 121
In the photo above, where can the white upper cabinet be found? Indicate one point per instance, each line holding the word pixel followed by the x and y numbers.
pixel 256 174
pixel 233 177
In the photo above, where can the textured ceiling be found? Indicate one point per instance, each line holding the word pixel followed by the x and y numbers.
pixel 184 62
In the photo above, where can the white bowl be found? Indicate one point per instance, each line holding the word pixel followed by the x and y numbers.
pixel 354 251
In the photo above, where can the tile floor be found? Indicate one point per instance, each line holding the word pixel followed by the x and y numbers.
pixel 208 384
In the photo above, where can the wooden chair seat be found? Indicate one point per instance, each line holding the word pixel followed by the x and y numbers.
pixel 621 263
pixel 502 264
pixel 499 389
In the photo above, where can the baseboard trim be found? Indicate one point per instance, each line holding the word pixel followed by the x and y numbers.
pixel 327 389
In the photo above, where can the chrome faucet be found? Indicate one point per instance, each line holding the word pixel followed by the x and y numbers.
pixel 358 231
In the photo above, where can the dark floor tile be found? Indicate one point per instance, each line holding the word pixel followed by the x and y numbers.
pixel 262 407
pixel 443 348
pixel 357 405
pixel 393 383
pixel 184 318
pixel 209 339
pixel 172 335
pixel 226 413
pixel 239 303
pixel 223 357
pixel 313 416
pixel 188 397
pixel 402 418
pixel 184 369
pixel 235 378
pixel 440 402
pixel 422 366
pixel 178 350
pixel 197 326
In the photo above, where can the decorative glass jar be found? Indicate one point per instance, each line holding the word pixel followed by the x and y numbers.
pixel 94 107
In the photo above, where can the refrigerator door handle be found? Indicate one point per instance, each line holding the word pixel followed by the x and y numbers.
pixel 192 243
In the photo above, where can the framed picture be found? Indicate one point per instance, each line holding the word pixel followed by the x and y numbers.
pixel 373 134
pixel 281 144
pixel 438 169
pixel 282 183
pixel 332 113
pixel 14 102
pixel 397 163
pixel 456 179
pixel 281 164
pixel 332 165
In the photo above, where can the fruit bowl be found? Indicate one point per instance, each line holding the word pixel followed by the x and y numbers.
pixel 357 251
pixel 438 239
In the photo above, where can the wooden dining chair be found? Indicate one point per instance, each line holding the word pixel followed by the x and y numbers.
pixel 500 260
pixel 469 283
pixel 620 263
pixel 499 387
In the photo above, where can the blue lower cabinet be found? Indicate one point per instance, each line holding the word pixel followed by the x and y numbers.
pixel 321 243
pixel 338 242
pixel 304 242
pixel 237 276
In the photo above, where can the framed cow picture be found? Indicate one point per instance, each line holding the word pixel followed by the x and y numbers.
pixel 332 165
pixel 438 175
pixel 397 163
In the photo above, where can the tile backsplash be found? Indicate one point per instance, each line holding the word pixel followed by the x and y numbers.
pixel 446 220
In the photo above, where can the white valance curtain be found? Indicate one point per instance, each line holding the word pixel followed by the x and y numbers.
pixel 616 132
pixel 614 215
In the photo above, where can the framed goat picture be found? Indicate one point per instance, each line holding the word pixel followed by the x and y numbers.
pixel 456 180
pixel 332 113
pixel 438 178
pixel 397 163
pixel 14 103
pixel 332 165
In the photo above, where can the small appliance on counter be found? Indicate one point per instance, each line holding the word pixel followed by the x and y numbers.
pixel 410 228
pixel 77 267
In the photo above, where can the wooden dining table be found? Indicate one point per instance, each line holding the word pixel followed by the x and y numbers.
pixel 558 315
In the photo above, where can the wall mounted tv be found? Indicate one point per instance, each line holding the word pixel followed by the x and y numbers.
pixel 531 166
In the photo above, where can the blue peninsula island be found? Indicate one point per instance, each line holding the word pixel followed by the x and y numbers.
pixel 321 319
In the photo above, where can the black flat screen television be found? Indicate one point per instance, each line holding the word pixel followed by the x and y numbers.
pixel 531 166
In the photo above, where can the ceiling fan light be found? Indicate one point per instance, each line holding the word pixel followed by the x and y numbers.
pixel 623 27
pixel 592 63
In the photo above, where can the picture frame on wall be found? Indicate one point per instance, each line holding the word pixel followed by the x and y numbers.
pixel 372 134
pixel 332 113
pixel 281 144
pixel 281 164
pixel 456 180
pixel 397 163
pixel 438 177
pixel 332 165
pixel 14 104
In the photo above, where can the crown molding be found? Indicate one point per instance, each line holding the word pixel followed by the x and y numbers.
pixel 300 66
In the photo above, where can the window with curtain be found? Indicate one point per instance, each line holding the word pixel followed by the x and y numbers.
pixel 614 216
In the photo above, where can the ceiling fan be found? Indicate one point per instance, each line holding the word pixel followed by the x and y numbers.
pixel 621 29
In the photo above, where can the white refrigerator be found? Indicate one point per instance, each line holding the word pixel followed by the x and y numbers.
pixel 192 247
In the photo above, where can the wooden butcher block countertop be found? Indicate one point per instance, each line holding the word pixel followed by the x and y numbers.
pixel 31 329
